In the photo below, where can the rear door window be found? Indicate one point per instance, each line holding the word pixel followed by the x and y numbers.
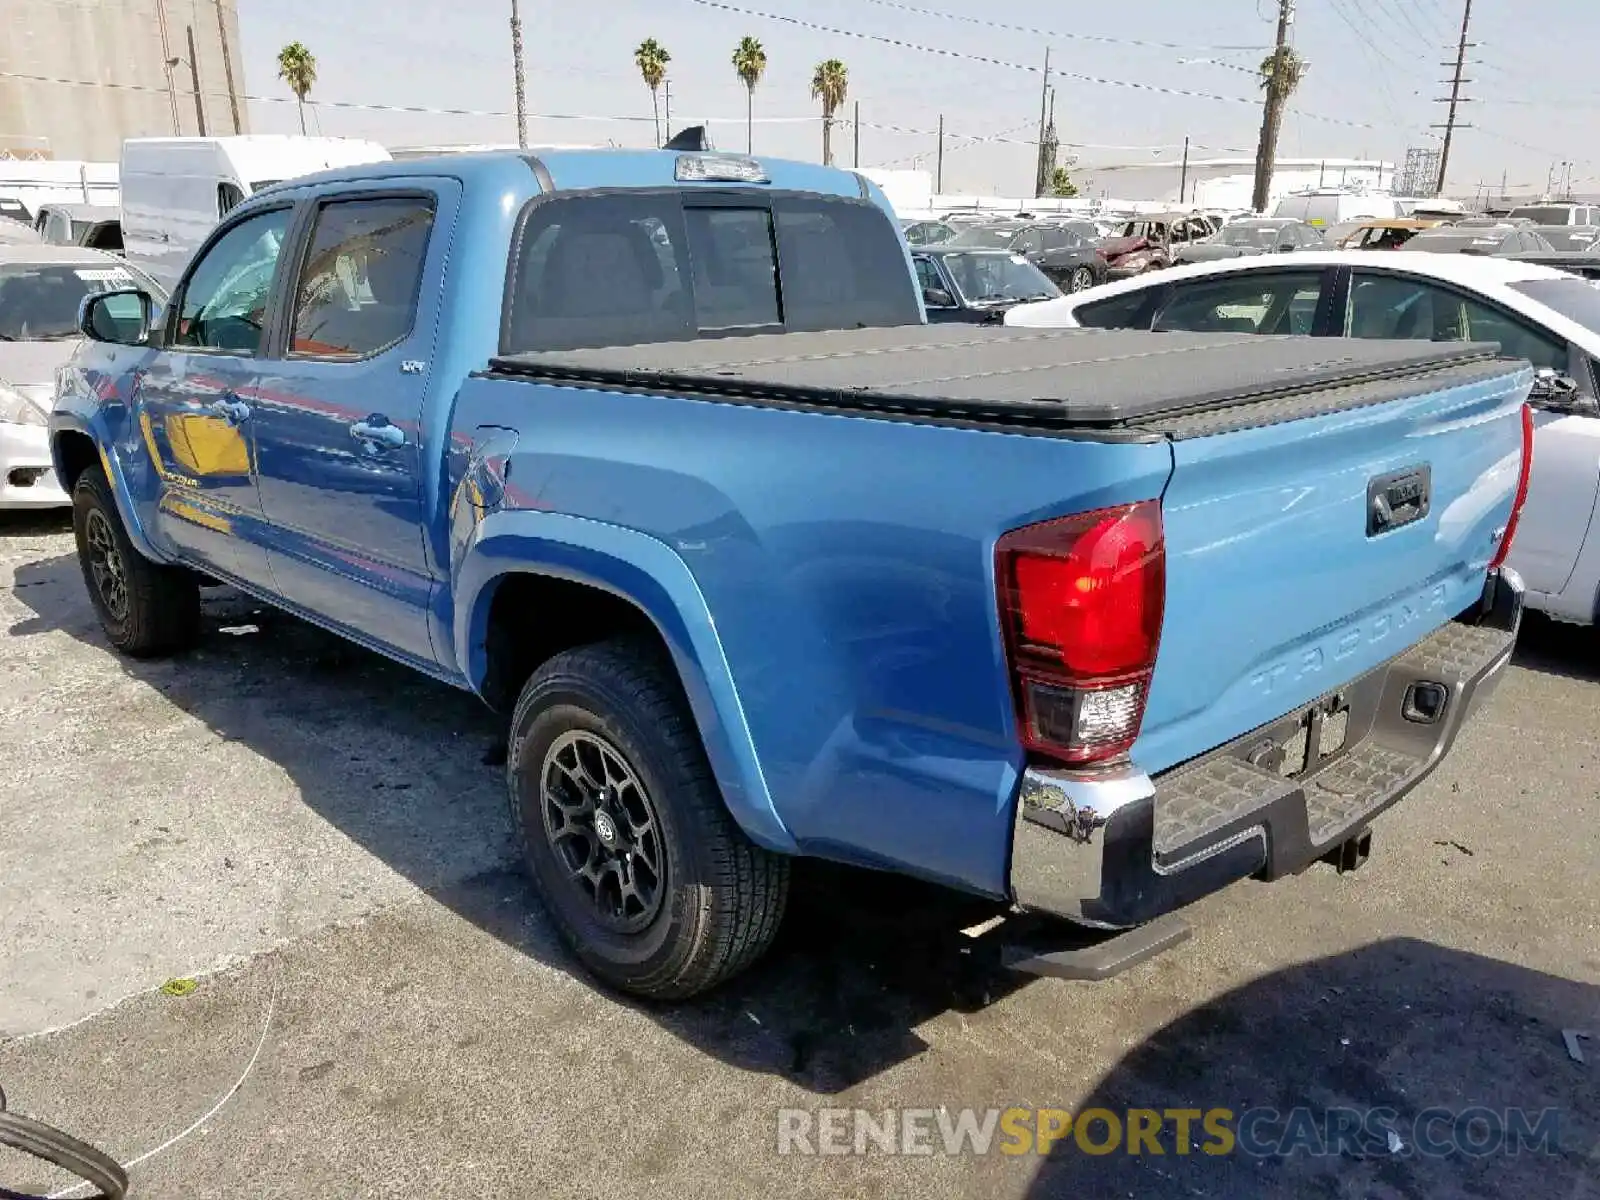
pixel 1489 323
pixel 357 291
pixel 1396 307
pixel 1269 302
pixel 626 269
pixel 1391 306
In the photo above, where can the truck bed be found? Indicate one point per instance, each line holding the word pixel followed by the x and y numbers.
pixel 1119 384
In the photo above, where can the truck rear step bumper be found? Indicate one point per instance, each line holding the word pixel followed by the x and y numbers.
pixel 1115 849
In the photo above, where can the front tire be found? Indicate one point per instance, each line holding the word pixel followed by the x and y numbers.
pixel 645 874
pixel 1080 279
pixel 146 609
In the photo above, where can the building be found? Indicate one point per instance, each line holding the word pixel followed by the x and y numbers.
pixel 78 76
pixel 1227 183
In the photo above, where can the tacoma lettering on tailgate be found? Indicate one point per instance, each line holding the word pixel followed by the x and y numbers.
pixel 1336 647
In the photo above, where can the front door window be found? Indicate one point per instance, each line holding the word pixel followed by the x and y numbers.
pixel 224 303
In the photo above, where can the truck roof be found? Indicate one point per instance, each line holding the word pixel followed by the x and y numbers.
pixel 1056 378
pixel 578 169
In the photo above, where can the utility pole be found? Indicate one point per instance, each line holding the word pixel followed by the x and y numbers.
pixel 1039 181
pixel 167 64
pixel 522 82
pixel 194 76
pixel 1272 110
pixel 1183 177
pixel 227 67
pixel 856 124
pixel 1455 95
pixel 666 90
pixel 938 173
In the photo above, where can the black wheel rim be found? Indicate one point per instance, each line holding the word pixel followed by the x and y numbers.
pixel 603 828
pixel 106 566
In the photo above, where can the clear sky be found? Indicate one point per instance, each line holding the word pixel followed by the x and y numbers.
pixel 1374 68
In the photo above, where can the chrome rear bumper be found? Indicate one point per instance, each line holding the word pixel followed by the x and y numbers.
pixel 1117 848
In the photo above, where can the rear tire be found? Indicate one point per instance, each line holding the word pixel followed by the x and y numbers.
pixel 645 874
pixel 146 609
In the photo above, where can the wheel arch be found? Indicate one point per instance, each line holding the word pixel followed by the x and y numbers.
pixel 582 581
pixel 74 449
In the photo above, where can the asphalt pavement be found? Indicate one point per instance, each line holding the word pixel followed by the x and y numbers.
pixel 309 846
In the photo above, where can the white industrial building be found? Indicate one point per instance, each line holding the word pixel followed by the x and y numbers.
pixel 79 76
pixel 1227 183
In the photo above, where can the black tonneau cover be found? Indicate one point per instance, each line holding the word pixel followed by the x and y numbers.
pixel 1055 378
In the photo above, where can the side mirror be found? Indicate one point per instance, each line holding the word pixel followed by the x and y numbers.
pixel 1558 393
pixel 934 297
pixel 122 318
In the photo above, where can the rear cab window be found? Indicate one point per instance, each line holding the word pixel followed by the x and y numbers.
pixel 626 268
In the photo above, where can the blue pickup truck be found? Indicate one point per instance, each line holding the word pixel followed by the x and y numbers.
pixel 656 453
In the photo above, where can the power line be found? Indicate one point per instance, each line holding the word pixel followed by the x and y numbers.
pixel 1373 53
pixel 1005 63
pixel 1053 34
pixel 1403 9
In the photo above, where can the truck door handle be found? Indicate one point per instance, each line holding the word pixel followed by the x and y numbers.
pixel 232 410
pixel 388 435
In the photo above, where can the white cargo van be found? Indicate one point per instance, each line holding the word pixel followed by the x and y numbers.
pixel 175 190
pixel 1323 207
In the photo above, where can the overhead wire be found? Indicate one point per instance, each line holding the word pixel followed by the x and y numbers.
pixel 1004 63
pixel 1054 34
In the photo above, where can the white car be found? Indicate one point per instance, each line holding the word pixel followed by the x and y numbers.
pixel 1538 313
pixel 41 287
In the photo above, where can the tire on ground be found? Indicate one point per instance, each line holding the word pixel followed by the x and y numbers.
pixel 160 611
pixel 722 896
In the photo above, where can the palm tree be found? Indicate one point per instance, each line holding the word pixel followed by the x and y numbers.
pixel 750 64
pixel 829 83
pixel 1281 73
pixel 297 67
pixel 652 58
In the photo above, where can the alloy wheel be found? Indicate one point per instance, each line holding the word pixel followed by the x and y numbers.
pixel 106 565
pixel 604 830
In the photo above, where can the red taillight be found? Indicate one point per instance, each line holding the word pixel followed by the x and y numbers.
pixel 1521 497
pixel 1081 600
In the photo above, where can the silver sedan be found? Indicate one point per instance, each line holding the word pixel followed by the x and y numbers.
pixel 41 287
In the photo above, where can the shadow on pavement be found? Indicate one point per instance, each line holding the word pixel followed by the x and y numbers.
pixel 34 522
pixel 407 767
pixel 1399 1025
pixel 1554 648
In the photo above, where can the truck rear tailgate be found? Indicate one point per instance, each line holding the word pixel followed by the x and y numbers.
pixel 1302 554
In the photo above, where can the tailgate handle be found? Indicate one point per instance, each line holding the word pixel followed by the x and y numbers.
pixel 1398 498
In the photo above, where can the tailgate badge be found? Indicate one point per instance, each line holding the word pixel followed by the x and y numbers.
pixel 1397 499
